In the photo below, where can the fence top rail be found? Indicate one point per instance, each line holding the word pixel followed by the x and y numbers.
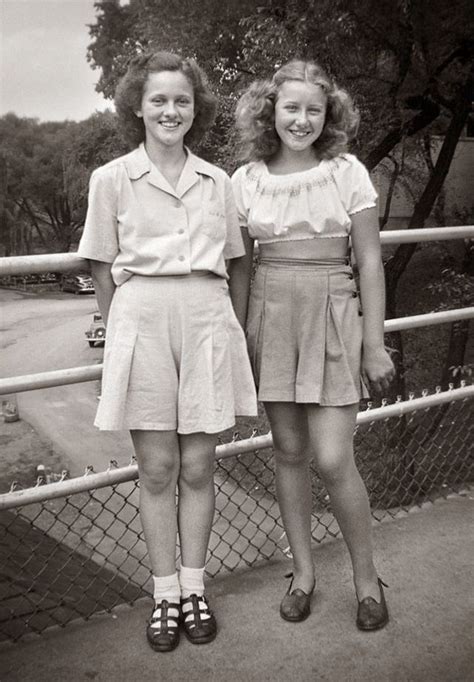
pixel 427 234
pixel 115 475
pixel 71 262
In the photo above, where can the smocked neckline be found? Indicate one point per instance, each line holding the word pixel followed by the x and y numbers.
pixel 295 174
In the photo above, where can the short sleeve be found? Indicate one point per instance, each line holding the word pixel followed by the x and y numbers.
pixel 99 239
pixel 355 186
pixel 234 245
pixel 240 195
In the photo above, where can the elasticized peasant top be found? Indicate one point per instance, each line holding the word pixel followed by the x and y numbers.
pixel 313 203
pixel 138 222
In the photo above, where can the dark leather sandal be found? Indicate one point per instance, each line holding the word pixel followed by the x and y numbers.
pixel 197 629
pixel 162 630
pixel 296 604
pixel 371 614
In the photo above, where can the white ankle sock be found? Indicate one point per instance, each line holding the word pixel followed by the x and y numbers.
pixel 191 581
pixel 166 587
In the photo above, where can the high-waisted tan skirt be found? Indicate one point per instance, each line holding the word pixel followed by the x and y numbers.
pixel 304 332
pixel 175 357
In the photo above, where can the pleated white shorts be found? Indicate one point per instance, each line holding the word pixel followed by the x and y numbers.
pixel 175 357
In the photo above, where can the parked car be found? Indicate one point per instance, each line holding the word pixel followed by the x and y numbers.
pixel 78 284
pixel 49 278
pixel 32 279
pixel 96 332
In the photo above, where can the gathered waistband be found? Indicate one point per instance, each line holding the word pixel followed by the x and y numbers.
pixel 310 263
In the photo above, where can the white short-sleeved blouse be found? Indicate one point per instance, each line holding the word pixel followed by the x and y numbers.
pixel 140 224
pixel 313 203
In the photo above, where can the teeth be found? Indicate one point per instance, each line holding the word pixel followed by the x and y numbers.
pixel 169 124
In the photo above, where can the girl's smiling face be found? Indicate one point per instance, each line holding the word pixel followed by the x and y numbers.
pixel 167 108
pixel 300 114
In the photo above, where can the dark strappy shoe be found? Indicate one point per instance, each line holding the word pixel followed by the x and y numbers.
pixel 199 623
pixel 162 631
pixel 296 604
pixel 371 614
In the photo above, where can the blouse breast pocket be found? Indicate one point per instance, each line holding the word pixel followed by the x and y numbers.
pixel 213 219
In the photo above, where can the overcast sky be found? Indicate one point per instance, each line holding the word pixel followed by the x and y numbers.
pixel 43 67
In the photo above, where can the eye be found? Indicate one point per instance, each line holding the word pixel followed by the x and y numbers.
pixel 290 107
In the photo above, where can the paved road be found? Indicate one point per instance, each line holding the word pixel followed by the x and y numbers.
pixel 42 332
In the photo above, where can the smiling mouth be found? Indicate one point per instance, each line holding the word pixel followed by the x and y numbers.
pixel 300 133
pixel 170 125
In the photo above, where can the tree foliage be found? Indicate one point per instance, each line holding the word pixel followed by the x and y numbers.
pixel 403 61
pixel 45 171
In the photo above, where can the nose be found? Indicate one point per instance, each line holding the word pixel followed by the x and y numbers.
pixel 302 117
pixel 170 109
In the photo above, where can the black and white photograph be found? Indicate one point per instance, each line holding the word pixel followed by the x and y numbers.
pixel 237 340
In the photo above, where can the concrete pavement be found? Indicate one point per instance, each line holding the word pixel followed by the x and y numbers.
pixel 426 558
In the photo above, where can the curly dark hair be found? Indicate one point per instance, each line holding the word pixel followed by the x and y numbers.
pixel 255 114
pixel 129 93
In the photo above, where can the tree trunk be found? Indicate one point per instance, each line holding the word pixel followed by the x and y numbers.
pixel 397 264
pixel 459 335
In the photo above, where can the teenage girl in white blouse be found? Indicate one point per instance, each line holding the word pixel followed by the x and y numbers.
pixel 305 199
pixel 160 226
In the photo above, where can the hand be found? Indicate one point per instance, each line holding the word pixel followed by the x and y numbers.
pixel 377 369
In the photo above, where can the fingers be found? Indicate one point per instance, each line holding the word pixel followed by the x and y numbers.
pixel 382 382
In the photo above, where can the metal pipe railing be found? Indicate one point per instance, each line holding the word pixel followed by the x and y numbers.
pixel 37 265
pixel 77 375
pixel 114 476
pixel 427 234
pixel 71 262
pixel 428 319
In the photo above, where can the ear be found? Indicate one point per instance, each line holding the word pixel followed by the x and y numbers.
pixel 138 113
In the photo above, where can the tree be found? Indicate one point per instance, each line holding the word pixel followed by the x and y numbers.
pixel 45 170
pixel 95 142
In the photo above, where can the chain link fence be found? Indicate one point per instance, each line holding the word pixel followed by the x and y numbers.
pixel 76 555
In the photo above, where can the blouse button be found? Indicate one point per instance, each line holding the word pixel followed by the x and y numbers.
pixel 354 294
pixel 181 231
pixel 177 203
pixel 181 258
pixel 351 276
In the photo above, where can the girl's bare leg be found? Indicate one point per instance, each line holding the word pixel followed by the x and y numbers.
pixel 196 496
pixel 158 461
pixel 293 483
pixel 331 432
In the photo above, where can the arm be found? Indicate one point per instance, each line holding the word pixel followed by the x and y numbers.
pixel 240 272
pixel 104 286
pixel 377 367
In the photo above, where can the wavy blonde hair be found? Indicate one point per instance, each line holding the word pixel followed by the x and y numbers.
pixel 255 114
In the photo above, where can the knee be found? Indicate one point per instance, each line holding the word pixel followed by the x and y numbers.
pixel 197 474
pixel 158 476
pixel 290 452
pixel 335 468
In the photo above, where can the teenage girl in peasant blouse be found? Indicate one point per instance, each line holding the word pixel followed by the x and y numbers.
pixel 306 201
pixel 160 226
